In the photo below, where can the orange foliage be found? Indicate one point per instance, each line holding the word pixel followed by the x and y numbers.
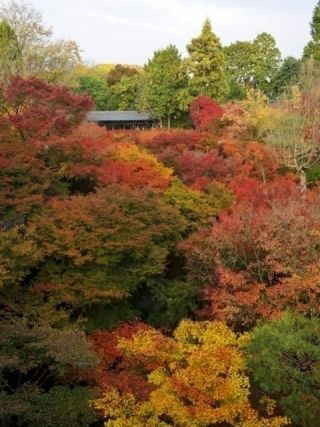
pixel 128 164
pixel 116 369
pixel 257 260
pixel 249 159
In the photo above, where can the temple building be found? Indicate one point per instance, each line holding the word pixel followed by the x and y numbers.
pixel 122 119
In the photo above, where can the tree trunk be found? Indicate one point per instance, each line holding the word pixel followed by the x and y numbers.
pixel 303 181
pixel 169 122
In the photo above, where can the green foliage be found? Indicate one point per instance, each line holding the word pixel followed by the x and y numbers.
pixel 171 301
pixel 240 57
pixel 98 89
pixel 118 88
pixel 286 76
pixel 19 253
pixel 109 316
pixel 62 407
pixel 10 54
pixel 59 407
pixel 38 53
pixel 313 174
pixel 199 209
pixel 284 356
pixel 31 356
pixel 126 92
pixel 206 65
pixel 89 250
pixel 118 72
pixel 253 64
pixel 268 61
pixel 312 49
pixel 164 82
pixel 26 345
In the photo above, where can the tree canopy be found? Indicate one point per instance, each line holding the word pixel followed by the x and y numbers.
pixel 206 65
pixel 312 49
pixel 165 276
pixel 164 81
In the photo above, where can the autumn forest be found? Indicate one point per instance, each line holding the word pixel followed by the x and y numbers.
pixel 166 276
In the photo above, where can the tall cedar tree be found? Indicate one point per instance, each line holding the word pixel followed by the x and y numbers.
pixel 206 65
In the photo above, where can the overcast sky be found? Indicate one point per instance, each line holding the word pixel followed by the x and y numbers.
pixel 128 31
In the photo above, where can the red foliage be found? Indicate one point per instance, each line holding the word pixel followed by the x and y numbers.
pixel 173 142
pixel 249 159
pixel 35 109
pixel 197 158
pixel 195 166
pixel 178 150
pixel 257 259
pixel 136 174
pixel 34 117
pixel 240 302
pixel 235 299
pixel 127 373
pixel 257 193
pixel 108 162
pixel 204 111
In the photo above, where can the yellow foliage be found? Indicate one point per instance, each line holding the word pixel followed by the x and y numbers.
pixel 200 381
pixel 199 209
pixel 130 152
pixel 253 118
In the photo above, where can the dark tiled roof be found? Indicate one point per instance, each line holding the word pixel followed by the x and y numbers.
pixel 117 116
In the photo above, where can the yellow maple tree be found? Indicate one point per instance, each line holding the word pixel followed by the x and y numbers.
pixel 200 381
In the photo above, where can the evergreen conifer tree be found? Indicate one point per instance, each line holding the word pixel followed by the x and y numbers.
pixel 206 65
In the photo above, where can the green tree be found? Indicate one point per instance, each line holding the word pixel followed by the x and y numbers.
pixel 9 51
pixel 198 209
pixel 119 71
pixel 312 49
pixel 284 356
pixel 98 90
pixel 62 407
pixel 287 75
pixel 33 356
pixel 252 65
pixel 268 58
pixel 206 65
pixel 239 56
pixel 40 55
pixel 126 92
pixel 164 81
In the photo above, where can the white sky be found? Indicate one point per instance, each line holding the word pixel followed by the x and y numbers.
pixel 128 31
